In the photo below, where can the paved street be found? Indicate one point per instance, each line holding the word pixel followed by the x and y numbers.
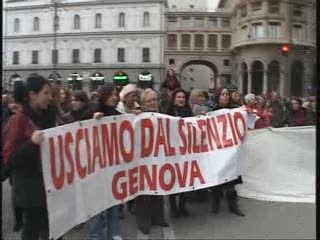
pixel 264 220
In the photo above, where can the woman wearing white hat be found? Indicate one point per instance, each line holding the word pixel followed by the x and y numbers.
pixel 128 99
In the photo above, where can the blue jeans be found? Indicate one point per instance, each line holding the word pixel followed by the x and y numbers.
pixel 109 218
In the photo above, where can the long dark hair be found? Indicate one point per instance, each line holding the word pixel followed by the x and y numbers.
pixel 34 83
pixel 217 97
pixel 105 92
pixel 171 105
pixel 81 96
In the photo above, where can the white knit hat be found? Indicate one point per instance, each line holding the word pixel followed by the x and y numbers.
pixel 126 90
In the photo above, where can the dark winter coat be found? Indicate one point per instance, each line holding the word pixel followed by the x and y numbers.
pixel 108 111
pixel 84 113
pixel 298 117
pixel 23 156
pixel 180 111
pixel 278 115
pixel 235 181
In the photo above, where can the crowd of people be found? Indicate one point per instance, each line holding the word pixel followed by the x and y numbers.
pixel 37 104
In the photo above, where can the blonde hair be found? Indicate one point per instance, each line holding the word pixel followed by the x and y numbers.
pixel 146 93
pixel 193 94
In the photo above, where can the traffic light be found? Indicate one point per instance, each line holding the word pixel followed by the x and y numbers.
pixel 285 49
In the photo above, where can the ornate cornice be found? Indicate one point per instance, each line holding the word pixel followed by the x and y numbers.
pixel 104 33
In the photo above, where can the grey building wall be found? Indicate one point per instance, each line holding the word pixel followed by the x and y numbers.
pixel 134 36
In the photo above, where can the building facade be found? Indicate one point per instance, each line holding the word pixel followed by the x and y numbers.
pixel 83 37
pixel 198 46
pixel 273 45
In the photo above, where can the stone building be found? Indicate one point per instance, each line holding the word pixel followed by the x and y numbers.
pixel 273 45
pixel 198 45
pixel 85 38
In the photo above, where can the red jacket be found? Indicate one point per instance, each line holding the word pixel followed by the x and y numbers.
pixel 16 132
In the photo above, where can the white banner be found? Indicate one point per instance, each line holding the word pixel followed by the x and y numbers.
pixel 281 165
pixel 92 165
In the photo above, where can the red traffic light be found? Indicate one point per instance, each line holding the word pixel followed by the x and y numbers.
pixel 285 49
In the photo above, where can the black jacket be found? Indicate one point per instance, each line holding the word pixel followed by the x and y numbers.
pixel 25 165
pixel 108 111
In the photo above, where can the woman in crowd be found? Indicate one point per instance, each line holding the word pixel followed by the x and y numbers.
pixel 167 87
pixel 22 152
pixel 129 104
pixel 179 107
pixel 107 102
pixel 311 107
pixel 236 100
pixel 223 100
pixel 10 107
pixel 128 99
pixel 65 100
pixel 277 110
pixel 297 115
pixel 251 103
pixel 198 102
pixel 80 105
pixel 149 208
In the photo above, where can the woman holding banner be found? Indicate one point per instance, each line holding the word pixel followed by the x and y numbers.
pixel 223 100
pixel 22 137
pixel 179 107
pixel 107 103
pixel 149 209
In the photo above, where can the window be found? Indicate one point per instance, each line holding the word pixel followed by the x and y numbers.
pixel 297 32
pixel 98 20
pixel 97 55
pixel 226 40
pixel 212 41
pixel 75 56
pixel 146 55
pixel 172 21
pixel 16 25
pixel 36 24
pixel 34 59
pixel 185 41
pixel 274 30
pixel 256 6
pixel 121 55
pixel 54 56
pixel 146 19
pixel 212 22
pixel 172 41
pixel 199 41
pixel 15 58
pixel 257 31
pixel 122 20
pixel 244 32
pixel 274 7
pixel 297 10
pixel 56 25
pixel 76 22
pixel 226 62
pixel 172 61
pixel 186 22
pixel 243 11
pixel 225 22
pixel 199 22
